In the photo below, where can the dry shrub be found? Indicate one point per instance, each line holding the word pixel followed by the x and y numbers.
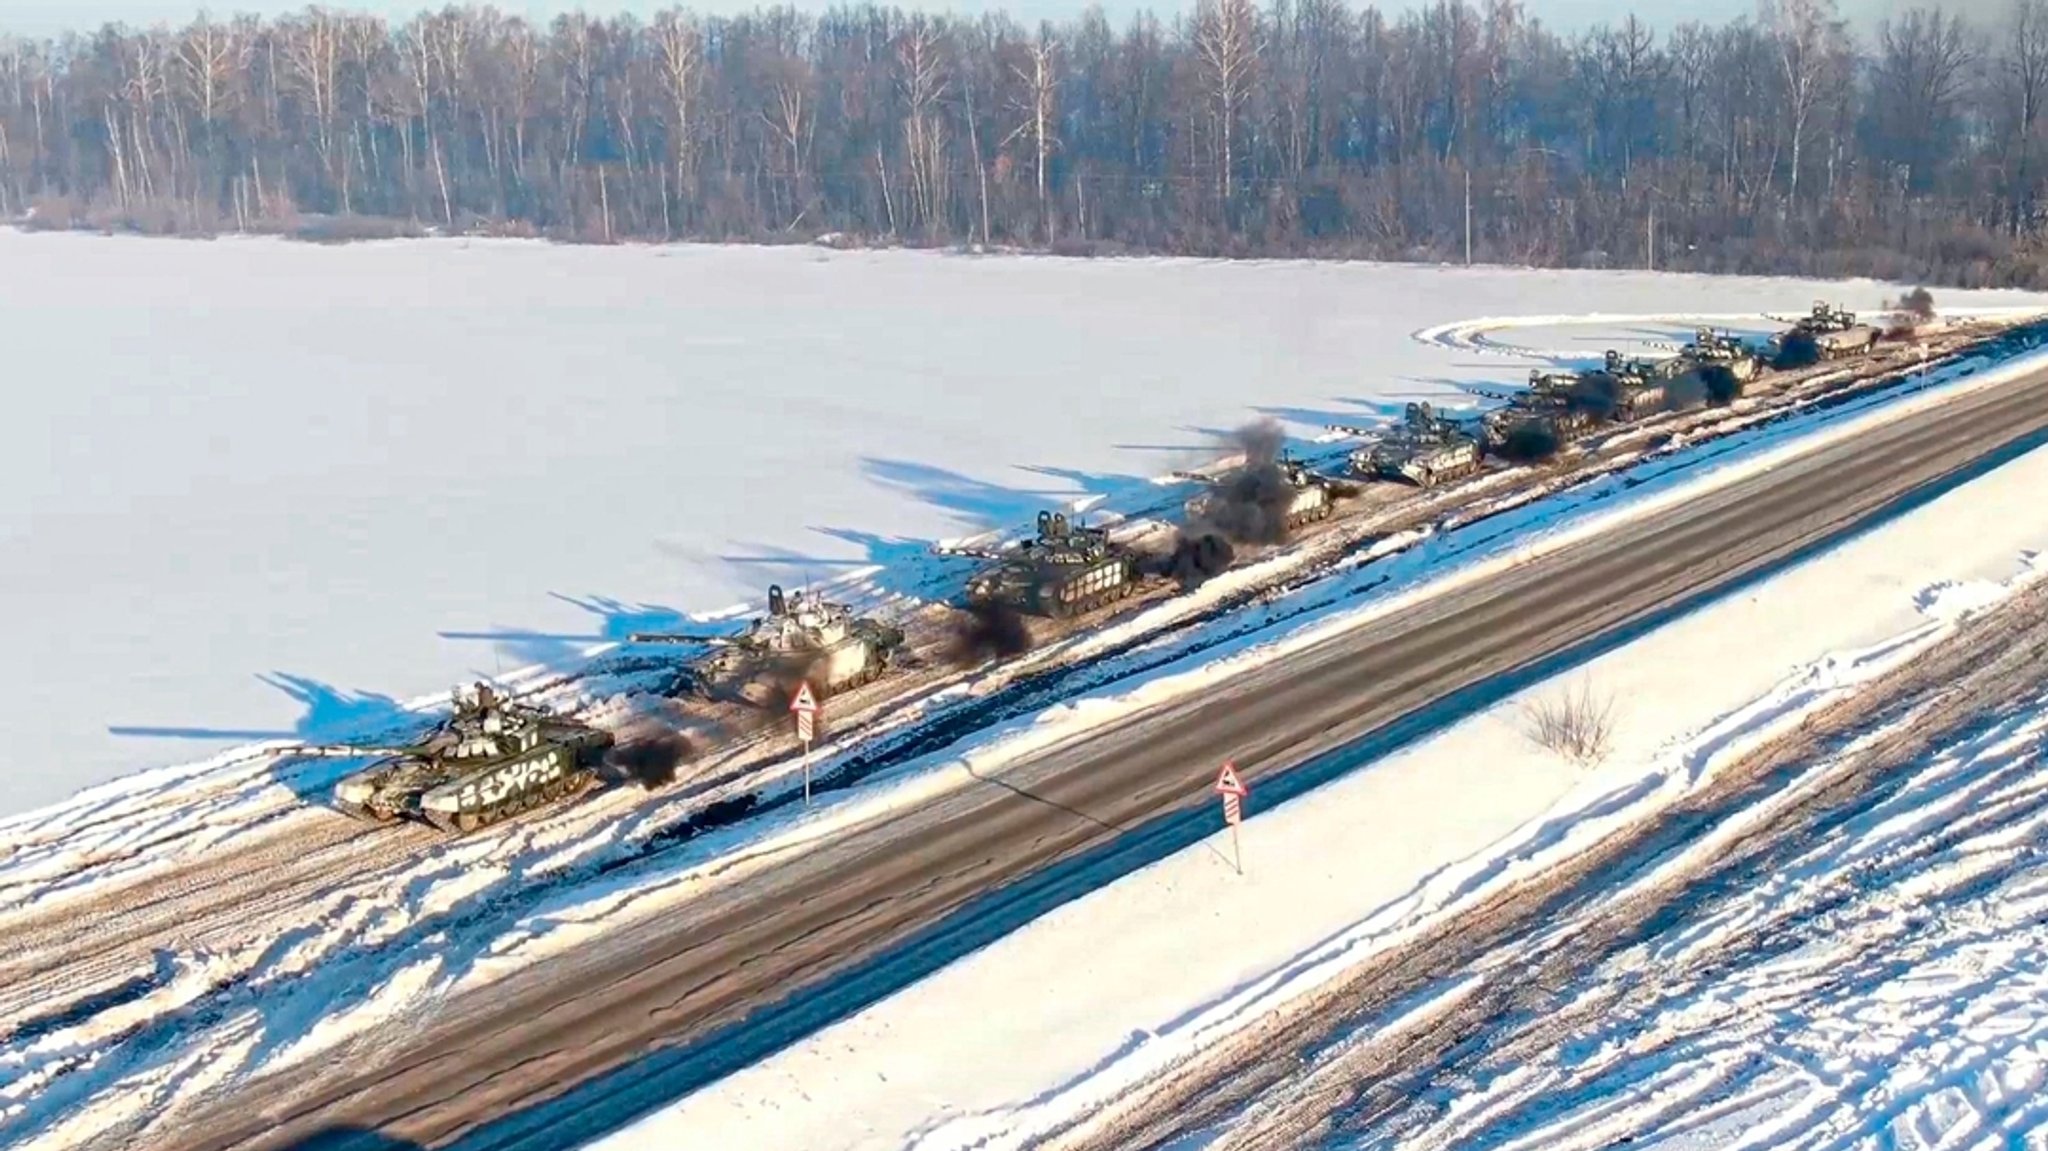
pixel 1577 724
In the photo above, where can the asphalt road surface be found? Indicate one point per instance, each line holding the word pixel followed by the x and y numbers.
pixel 576 1046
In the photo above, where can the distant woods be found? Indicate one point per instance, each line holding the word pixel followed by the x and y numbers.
pixel 1787 143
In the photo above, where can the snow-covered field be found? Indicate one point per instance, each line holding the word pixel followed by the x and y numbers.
pixel 248 485
pixel 1936 1027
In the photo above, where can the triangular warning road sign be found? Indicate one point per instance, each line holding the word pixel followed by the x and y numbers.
pixel 804 702
pixel 1227 783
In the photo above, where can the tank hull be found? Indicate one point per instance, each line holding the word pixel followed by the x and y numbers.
pixel 1310 504
pixel 1058 592
pixel 1847 342
pixel 473 796
pixel 1425 468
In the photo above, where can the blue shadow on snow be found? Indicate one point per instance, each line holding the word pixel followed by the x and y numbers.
pixel 618 1097
pixel 348 1138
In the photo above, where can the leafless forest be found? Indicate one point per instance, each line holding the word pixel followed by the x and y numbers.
pixel 1788 142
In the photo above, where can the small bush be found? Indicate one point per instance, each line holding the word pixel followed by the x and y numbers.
pixel 1576 725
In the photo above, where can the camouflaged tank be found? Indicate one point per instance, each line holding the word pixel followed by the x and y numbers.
pixel 801 638
pixel 1312 497
pixel 1066 570
pixel 1426 450
pixel 491 759
pixel 1834 332
pixel 1709 347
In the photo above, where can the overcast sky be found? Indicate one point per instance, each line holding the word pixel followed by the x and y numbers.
pixel 45 17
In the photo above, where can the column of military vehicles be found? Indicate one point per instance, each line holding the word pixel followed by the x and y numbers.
pixel 494 758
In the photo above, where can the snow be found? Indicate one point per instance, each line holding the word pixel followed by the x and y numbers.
pixel 1110 990
pixel 256 482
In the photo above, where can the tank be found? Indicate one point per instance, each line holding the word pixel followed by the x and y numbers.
pixel 1624 389
pixel 1311 497
pixel 1709 347
pixel 1425 450
pixel 491 759
pixel 1834 331
pixel 1066 570
pixel 1554 415
pixel 819 642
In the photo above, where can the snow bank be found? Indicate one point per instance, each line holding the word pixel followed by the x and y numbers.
pixel 1114 988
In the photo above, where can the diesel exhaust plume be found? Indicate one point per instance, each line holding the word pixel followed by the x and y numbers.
pixel 987 630
pixel 1196 559
pixel 1261 501
pixel 1251 504
pixel 1910 311
pixel 653 757
pixel 652 748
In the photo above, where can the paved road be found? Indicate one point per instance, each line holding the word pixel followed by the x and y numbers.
pixel 610 1028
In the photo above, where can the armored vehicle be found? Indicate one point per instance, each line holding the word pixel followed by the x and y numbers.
pixel 1548 417
pixel 1067 570
pixel 1834 332
pixel 1624 389
pixel 821 643
pixel 1711 347
pixel 1310 496
pixel 491 759
pixel 1426 450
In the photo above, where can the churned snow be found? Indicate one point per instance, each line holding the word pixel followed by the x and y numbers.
pixel 253 483
pixel 1108 991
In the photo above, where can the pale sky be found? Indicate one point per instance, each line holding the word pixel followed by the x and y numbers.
pixel 45 17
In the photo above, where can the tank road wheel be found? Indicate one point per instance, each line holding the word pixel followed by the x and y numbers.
pixel 467 821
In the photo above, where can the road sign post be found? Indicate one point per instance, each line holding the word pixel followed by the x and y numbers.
pixel 1234 792
pixel 805 708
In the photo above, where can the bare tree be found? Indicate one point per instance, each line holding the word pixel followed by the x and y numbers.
pixel 1039 108
pixel 680 44
pixel 1811 48
pixel 1226 43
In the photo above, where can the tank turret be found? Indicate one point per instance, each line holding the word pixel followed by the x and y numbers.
pixel 800 637
pixel 1426 450
pixel 1066 569
pixel 493 757
pixel 1311 498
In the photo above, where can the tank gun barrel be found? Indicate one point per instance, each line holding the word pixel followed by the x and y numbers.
pixel 1354 430
pixel 343 751
pixel 680 637
pixel 972 553
pixel 1196 478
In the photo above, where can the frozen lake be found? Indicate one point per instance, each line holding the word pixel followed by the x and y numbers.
pixel 248 484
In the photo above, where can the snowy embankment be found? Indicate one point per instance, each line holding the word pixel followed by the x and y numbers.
pixel 1113 990
pixel 269 479
pixel 390 942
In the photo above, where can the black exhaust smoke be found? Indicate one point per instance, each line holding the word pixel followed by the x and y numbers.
pixel 1196 559
pixel 1251 503
pixel 652 758
pixel 1529 443
pixel 1797 350
pixel 987 631
pixel 1912 310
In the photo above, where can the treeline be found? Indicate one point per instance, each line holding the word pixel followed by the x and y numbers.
pixel 1785 143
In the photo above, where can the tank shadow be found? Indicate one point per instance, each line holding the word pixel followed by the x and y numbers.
pixel 351 1138
pixel 975 504
pixel 905 568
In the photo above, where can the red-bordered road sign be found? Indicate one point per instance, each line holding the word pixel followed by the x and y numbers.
pixel 1227 783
